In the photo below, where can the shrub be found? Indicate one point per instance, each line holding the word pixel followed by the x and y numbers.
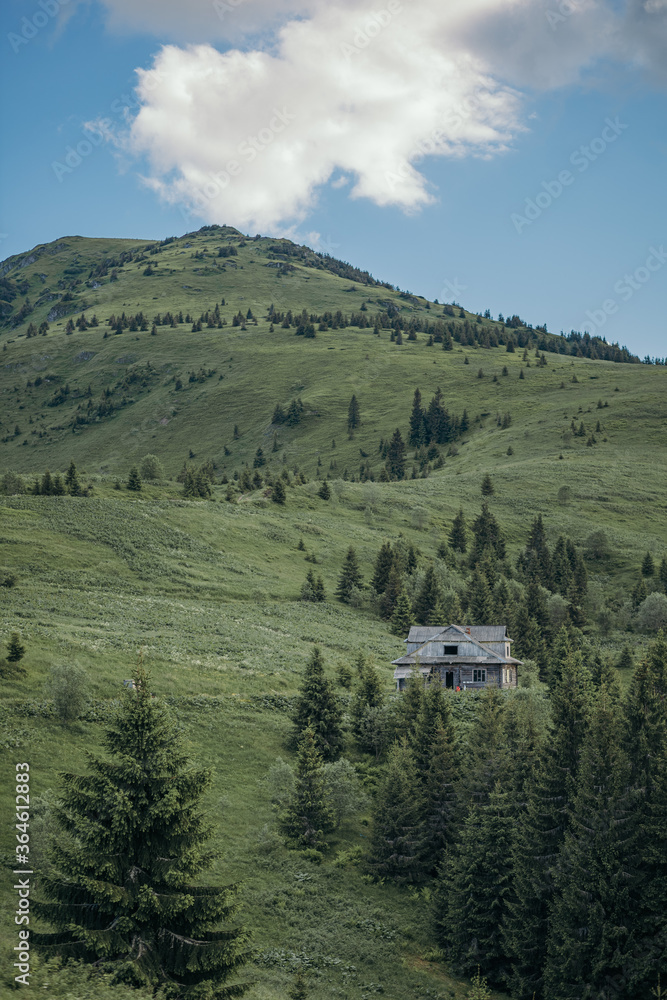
pixel 652 614
pixel 151 467
pixel 68 686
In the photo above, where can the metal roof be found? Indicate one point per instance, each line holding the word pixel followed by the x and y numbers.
pixel 482 633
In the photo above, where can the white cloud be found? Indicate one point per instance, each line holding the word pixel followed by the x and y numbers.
pixel 351 92
pixel 249 137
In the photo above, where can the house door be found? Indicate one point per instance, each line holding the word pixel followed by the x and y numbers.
pixel 449 679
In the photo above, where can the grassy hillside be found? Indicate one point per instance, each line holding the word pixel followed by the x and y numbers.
pixel 209 589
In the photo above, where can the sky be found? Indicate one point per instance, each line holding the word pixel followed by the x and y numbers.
pixel 508 155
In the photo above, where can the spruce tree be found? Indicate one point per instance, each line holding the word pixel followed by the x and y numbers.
pixel 479 599
pixel 308 816
pixel 124 889
pixel 259 460
pixel 540 834
pixel 15 648
pixel 417 433
pixel 590 940
pixel 457 534
pixel 324 492
pixel 394 846
pixel 476 889
pixel 648 566
pixel 662 573
pixel 72 480
pixel 383 565
pixel 395 464
pixel 350 576
pixel 439 797
pixel 317 707
pixel 278 494
pixel 487 536
pixel 392 592
pixel 561 568
pixel 46 486
pixel 535 561
pixel 403 616
pixel 134 479
pixel 488 488
pixel 429 595
pixel 353 417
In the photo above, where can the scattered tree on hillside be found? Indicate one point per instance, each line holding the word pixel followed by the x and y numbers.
pixel 395 463
pixel 317 706
pixel 648 566
pixel 488 488
pixel 350 577
pixel 124 891
pixel 353 417
pixel 134 479
pixel 457 534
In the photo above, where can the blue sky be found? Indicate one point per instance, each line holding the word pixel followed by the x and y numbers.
pixel 507 154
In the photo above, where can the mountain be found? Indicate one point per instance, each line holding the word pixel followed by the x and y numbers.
pixel 569 428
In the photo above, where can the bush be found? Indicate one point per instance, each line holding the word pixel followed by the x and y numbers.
pixel 151 467
pixel 652 614
pixel 68 686
pixel 344 791
pixel 12 484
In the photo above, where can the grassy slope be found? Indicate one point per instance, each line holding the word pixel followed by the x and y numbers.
pixel 208 589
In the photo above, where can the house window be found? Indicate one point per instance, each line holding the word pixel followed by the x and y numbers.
pixel 479 676
pixel 451 650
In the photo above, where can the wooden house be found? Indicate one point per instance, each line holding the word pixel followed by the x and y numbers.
pixel 462 657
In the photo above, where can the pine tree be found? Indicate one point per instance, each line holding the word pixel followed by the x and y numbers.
pixel 403 616
pixel 535 561
pixel 395 838
pixel 392 592
pixel 648 566
pixel 124 890
pixel 457 535
pixel 72 480
pixel 540 834
pixel 590 941
pixel 383 565
pixel 278 494
pixel 417 433
pixel 488 488
pixel 368 694
pixel 429 595
pixel 561 568
pixel 308 816
pixel 317 707
pixel 324 492
pixel 259 460
pixel 395 464
pixel 134 479
pixel 479 599
pixel 487 535
pixel 46 486
pixel 350 576
pixel 662 573
pixel 15 648
pixel 353 418
pixel 439 801
pixel 476 888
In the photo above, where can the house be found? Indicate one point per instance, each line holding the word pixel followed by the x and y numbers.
pixel 462 657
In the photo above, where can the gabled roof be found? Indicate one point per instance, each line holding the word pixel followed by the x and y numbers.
pixel 482 633
pixel 423 634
